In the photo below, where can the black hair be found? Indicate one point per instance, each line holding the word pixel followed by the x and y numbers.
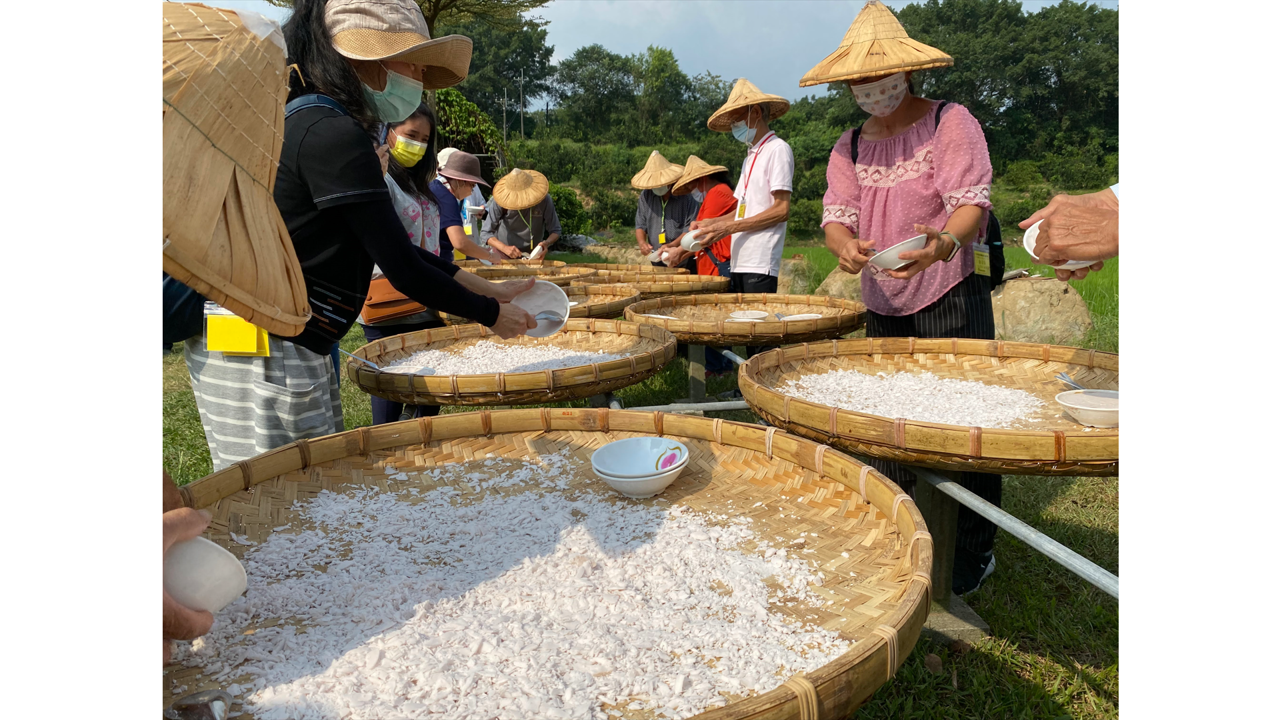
pixel 320 68
pixel 414 180
pixel 721 176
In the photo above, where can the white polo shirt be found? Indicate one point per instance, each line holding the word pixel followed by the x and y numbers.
pixel 760 251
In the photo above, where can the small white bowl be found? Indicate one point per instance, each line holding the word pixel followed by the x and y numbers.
pixel 1029 244
pixel 639 456
pixel 659 255
pixel 748 314
pixel 802 316
pixel 887 259
pixel 1095 408
pixel 203 575
pixel 544 297
pixel 690 240
pixel 644 487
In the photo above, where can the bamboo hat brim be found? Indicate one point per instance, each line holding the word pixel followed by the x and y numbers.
pixel 694 168
pixel 745 93
pixel 875 45
pixel 397 30
pixel 520 189
pixel 658 171
pixel 224 90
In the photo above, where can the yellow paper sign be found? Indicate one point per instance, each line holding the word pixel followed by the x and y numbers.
pixel 742 210
pixel 457 255
pixel 466 229
pixel 662 238
pixel 234 335
pixel 982 260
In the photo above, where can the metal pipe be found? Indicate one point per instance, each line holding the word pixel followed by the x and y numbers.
pixel 730 354
pixel 697 407
pixel 1059 553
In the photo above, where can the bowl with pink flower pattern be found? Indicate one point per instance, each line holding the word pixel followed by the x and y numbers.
pixel 639 457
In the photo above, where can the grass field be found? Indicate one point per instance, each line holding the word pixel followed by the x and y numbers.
pixel 1054 645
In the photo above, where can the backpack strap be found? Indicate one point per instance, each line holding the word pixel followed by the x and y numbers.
pixel 937 114
pixel 303 102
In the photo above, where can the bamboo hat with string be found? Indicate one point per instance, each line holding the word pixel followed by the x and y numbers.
pixel 694 168
pixel 658 171
pixel 396 30
pixel 223 95
pixel 520 189
pixel 745 93
pixel 875 45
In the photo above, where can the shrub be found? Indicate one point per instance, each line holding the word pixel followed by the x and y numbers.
pixel 1022 174
pixel 610 207
pixel 573 217
pixel 805 216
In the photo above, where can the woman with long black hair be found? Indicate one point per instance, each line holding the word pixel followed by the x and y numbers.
pixel 353 64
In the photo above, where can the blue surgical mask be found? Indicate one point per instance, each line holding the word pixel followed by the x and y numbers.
pixel 698 195
pixel 743 133
pixel 397 101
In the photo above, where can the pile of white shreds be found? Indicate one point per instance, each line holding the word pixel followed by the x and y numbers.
pixel 547 602
pixel 487 357
pixel 924 398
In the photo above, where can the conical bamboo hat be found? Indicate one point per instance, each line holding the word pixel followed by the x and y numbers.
pixel 694 168
pixel 658 171
pixel 520 189
pixel 224 89
pixel 875 45
pixel 745 93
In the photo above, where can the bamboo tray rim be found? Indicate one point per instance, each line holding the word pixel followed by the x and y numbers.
pixel 851 313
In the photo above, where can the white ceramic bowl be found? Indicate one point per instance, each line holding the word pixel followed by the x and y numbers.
pixel 639 456
pixel 544 297
pixel 1095 408
pixel 887 259
pixel 203 575
pixel 749 314
pixel 690 240
pixel 1029 244
pixel 645 487
pixel 659 255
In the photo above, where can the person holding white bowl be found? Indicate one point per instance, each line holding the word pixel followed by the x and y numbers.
pixel 1077 228
pixel 915 167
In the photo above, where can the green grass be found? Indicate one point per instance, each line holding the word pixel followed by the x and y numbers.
pixel 1054 645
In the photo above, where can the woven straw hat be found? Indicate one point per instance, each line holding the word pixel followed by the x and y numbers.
pixel 658 171
pixel 224 89
pixel 396 30
pixel 694 168
pixel 744 93
pixel 875 45
pixel 520 189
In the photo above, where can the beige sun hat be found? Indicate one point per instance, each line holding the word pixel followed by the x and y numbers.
pixel 397 30
pixel 875 45
pixel 443 155
pixel 694 168
pixel 520 189
pixel 658 171
pixel 744 93
pixel 223 92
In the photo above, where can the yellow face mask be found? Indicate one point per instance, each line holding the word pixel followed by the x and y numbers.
pixel 408 152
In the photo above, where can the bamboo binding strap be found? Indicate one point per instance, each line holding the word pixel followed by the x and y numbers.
pixel 890 635
pixel 715 429
pixel 897 500
pixel 768 442
pixel 806 695
pixel 862 482
pixel 817 458
pixel 921 575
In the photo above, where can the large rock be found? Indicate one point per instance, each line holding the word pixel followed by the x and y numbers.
pixel 794 275
pixel 841 284
pixel 575 243
pixel 1040 310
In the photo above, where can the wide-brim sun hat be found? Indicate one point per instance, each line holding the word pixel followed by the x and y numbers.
pixel 658 172
pixel 875 45
pixel 462 166
pixel 443 155
pixel 520 189
pixel 396 30
pixel 223 92
pixel 694 168
pixel 745 93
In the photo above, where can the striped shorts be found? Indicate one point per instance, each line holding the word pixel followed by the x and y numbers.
pixel 249 405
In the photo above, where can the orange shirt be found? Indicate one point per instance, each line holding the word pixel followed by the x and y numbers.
pixel 719 201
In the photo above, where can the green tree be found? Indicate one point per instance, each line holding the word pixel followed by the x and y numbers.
pixel 595 92
pixel 498 56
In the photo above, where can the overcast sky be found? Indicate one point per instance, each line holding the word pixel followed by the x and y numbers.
pixel 773 43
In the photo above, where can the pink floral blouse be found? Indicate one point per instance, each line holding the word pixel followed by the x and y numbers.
pixel 919 176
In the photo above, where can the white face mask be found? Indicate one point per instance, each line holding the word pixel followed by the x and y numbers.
pixel 881 97
pixel 698 195
pixel 660 191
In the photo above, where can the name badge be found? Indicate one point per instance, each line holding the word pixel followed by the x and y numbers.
pixel 457 255
pixel 982 260
pixel 466 229
pixel 742 210
pixel 662 238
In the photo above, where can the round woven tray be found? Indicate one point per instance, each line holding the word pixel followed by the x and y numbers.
pixel 704 319
pixel 866 535
pixel 616 269
pixel 593 301
pixel 646 348
pixel 1051 443
pixel 655 285
pixel 561 276
pixel 539 263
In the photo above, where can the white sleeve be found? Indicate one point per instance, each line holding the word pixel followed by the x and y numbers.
pixel 782 168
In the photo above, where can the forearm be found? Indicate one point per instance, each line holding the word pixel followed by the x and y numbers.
pixel 551 240
pixel 777 213
pixel 465 245
pixel 837 236
pixel 964 223
pixel 642 238
pixel 476 284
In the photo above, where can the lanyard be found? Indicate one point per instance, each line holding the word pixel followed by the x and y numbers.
pixel 528 222
pixel 662 223
pixel 759 150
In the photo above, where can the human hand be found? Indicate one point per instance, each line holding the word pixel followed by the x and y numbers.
pixel 712 229
pixel 179 621
pixel 384 157
pixel 507 290
pixel 676 255
pixel 935 249
pixel 645 247
pixel 508 250
pixel 513 321
pixel 1078 273
pixel 855 254
pixel 1077 227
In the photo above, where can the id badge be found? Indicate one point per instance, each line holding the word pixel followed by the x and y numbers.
pixel 662 238
pixel 466 230
pixel 742 210
pixel 982 260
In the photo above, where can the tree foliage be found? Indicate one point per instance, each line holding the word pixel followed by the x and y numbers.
pixel 498 56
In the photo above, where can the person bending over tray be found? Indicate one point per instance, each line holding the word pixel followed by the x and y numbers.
pixel 457 183
pixel 1078 227
pixel 662 218
pixel 352 65
pixel 915 167
pixel 520 217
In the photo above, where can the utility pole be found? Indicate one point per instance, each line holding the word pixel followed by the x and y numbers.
pixel 504 115
pixel 521 103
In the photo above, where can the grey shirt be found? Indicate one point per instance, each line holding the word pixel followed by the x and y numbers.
pixel 512 226
pixel 680 211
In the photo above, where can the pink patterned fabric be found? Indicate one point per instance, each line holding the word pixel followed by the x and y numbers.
pixel 919 176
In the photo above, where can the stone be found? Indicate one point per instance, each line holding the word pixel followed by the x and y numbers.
pixel 841 284
pixel 575 243
pixel 1040 310
pixel 794 275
